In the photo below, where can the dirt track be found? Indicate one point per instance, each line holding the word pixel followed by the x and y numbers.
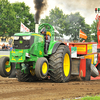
pixel 11 89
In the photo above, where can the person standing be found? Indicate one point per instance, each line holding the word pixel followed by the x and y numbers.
pixel 3 46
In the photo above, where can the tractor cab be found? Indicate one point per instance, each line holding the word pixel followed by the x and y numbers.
pixel 49 35
pixel 49 30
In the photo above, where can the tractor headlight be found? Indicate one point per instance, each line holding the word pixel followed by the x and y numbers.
pixel 26 37
pixel 16 37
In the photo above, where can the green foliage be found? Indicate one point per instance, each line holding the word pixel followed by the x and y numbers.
pixel 56 19
pixel 68 24
pixel 11 16
pixel 91 98
pixel 7 19
pixel 88 33
pixel 77 22
pixel 94 30
pixel 23 15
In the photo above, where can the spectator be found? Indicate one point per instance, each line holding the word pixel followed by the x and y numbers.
pixel 10 41
pixel 11 47
pixel 7 47
pixel 3 46
pixel 0 46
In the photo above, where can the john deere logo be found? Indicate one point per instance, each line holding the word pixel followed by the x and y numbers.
pixel 20 41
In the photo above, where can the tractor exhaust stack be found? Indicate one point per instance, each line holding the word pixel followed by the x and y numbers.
pixel 36 28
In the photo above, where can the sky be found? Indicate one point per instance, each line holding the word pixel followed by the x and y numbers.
pixel 85 7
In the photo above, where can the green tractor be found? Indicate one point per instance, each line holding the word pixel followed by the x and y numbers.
pixel 32 63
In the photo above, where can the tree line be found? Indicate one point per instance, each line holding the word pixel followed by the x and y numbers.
pixel 12 14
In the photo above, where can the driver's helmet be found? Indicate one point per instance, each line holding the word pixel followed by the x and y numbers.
pixel 43 30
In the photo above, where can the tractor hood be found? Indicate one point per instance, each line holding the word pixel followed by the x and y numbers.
pixel 18 55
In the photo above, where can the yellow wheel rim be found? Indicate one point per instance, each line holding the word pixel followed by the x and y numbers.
pixel 44 68
pixel 66 64
pixel 32 71
pixel 9 68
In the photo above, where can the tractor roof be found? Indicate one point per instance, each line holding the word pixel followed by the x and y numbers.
pixel 23 34
pixel 28 34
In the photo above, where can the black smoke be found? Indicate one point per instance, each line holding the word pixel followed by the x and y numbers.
pixel 40 6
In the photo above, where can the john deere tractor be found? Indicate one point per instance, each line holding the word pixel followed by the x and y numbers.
pixel 32 63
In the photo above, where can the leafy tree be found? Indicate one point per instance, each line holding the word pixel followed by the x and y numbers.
pixel 94 30
pixel 88 33
pixel 46 20
pixel 68 24
pixel 7 19
pixel 57 19
pixel 23 15
pixel 11 16
pixel 77 22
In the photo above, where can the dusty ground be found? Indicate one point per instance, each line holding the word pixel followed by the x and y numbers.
pixel 11 89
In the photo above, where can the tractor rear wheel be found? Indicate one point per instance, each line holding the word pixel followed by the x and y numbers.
pixel 5 71
pixel 22 77
pixel 60 64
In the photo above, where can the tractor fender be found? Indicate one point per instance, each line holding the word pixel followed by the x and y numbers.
pixel 57 44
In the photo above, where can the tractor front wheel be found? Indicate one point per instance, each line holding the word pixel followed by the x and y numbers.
pixel 41 68
pixel 60 64
pixel 5 69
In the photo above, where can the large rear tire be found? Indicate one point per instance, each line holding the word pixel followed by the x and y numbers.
pixel 4 71
pixel 60 65
pixel 22 77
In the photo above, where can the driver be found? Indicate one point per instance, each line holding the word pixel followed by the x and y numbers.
pixel 47 40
